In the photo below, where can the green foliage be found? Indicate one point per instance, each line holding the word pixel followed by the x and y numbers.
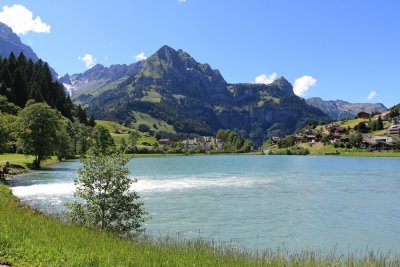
pixel 38 131
pixel 22 80
pixel 8 132
pixel 361 128
pixel 292 151
pixel 355 139
pixel 233 143
pixel 103 142
pixel 7 107
pixel 379 124
pixel 133 137
pixel 287 141
pixel 109 203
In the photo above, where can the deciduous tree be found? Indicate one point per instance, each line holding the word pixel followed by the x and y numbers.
pixel 38 128
pixel 108 201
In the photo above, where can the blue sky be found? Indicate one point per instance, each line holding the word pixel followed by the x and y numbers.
pixel 337 49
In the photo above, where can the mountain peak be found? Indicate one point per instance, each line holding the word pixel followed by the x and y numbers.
pixel 166 51
pixel 283 84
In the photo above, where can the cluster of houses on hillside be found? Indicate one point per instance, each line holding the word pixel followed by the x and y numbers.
pixel 336 133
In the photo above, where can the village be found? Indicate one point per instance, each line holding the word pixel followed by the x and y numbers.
pixel 368 132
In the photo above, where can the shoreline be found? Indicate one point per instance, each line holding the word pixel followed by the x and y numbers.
pixel 64 240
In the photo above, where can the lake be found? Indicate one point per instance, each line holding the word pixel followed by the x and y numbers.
pixel 294 202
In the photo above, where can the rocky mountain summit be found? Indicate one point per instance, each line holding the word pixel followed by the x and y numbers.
pixel 173 88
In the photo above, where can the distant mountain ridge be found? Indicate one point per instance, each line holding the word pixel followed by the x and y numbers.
pixel 173 88
pixel 340 109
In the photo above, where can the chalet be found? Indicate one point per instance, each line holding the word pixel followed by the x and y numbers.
pixel 363 115
pixel 337 129
pixel 275 139
pixel 312 138
pixel 377 139
pixel 381 146
pixel 164 142
pixel 394 130
pixel 396 120
pixel 384 116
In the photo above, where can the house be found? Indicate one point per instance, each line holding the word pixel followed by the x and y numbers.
pixel 363 115
pixel 164 142
pixel 384 116
pixel 312 138
pixel 118 131
pixel 190 143
pixel 275 139
pixel 396 120
pixel 381 146
pixel 338 130
pixel 394 130
pixel 377 139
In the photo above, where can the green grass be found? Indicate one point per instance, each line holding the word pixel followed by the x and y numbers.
pixel 112 126
pixel 152 96
pixel 320 149
pixel 118 138
pixel 29 238
pixel 23 160
pixel 143 118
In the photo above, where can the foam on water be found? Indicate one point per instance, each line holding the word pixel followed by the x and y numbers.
pixel 55 189
pixel 194 182
pixel 144 184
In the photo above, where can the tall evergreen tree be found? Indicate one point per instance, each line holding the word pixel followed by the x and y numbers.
pixel 20 88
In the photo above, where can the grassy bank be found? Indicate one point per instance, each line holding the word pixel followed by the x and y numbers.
pixel 28 238
pixel 22 163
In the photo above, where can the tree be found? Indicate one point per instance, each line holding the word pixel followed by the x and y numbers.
pixel 64 147
pixel 379 124
pixel 355 139
pixel 38 128
pixel 108 203
pixel 133 137
pixel 103 142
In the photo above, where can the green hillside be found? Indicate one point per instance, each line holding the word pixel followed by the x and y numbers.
pixel 171 92
pixel 118 138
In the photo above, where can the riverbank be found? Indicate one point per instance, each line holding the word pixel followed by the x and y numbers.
pixel 30 238
pixel 318 149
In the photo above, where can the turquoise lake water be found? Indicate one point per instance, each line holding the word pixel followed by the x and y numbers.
pixel 294 202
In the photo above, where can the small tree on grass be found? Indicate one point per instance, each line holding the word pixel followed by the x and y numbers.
pixel 38 129
pixel 108 203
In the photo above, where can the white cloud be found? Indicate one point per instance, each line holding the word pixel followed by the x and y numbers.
pixel 89 60
pixel 182 1
pixel 266 79
pixel 140 56
pixel 303 84
pixel 371 95
pixel 21 21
